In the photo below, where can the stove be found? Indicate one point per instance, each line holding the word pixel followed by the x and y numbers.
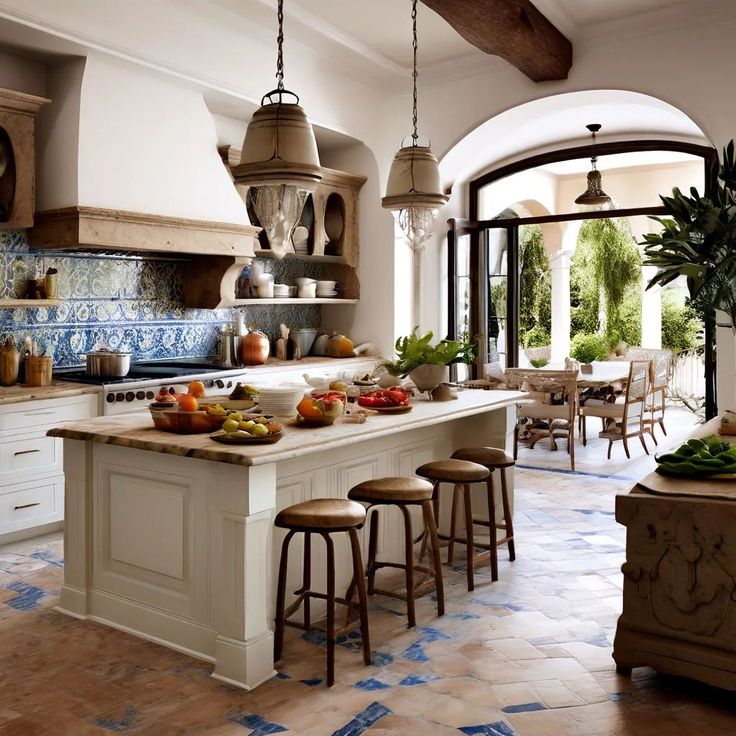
pixel 138 389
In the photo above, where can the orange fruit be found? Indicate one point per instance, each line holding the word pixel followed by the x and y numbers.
pixel 196 388
pixel 187 402
pixel 309 408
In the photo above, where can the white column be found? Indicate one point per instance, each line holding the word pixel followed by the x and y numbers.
pixel 560 266
pixel 651 311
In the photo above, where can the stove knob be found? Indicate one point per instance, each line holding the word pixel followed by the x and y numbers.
pixel 229 384
pixel 140 395
pixel 219 383
pixel 119 396
pixel 130 396
pixel 150 395
pixel 110 398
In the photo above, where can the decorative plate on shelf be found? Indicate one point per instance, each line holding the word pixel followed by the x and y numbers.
pixel 239 438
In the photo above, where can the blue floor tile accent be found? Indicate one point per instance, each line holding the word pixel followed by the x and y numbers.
pixel 411 680
pixel 599 641
pixel 371 683
pixel 462 616
pixel 415 653
pixel 319 638
pixel 121 725
pixel 592 512
pixel 497 728
pixel 381 659
pixel 429 634
pixel 282 676
pixel 258 725
pixel 47 556
pixel 524 707
pixel 364 720
pixel 28 598
pixel 567 471
pixel 312 681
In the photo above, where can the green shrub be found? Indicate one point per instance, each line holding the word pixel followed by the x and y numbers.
pixel 680 324
pixel 536 337
pixel 586 347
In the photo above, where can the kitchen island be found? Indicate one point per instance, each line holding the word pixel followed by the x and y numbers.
pixel 171 538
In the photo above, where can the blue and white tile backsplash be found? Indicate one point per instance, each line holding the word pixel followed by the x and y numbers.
pixel 126 304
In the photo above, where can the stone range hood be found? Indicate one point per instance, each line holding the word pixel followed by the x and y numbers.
pixel 128 162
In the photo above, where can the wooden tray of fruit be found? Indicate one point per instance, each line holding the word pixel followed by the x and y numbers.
pixel 239 430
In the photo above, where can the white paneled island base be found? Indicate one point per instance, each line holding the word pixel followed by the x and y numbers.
pixel 171 537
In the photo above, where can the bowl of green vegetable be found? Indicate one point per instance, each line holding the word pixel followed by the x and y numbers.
pixel 710 457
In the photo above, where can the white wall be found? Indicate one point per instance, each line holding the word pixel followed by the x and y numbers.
pixel 22 75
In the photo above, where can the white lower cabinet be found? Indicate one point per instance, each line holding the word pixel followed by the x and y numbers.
pixel 31 464
pixel 31 504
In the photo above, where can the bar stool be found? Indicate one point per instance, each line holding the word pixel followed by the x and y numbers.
pixel 461 473
pixel 402 493
pixel 493 459
pixel 323 516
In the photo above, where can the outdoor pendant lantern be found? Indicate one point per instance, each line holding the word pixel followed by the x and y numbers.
pixel 594 194
pixel 413 192
pixel 279 165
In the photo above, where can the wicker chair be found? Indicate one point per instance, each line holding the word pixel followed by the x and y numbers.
pixel 553 399
pixel 625 419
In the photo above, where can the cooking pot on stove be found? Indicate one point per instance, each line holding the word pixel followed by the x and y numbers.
pixel 113 363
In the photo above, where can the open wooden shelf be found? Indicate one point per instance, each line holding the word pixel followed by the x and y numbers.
pixel 265 253
pixel 12 303
pixel 292 300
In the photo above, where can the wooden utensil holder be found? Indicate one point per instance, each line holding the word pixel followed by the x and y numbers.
pixel 38 370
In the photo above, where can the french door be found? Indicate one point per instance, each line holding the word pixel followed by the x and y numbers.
pixel 483 292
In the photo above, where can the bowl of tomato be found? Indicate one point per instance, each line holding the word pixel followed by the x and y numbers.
pixel 393 400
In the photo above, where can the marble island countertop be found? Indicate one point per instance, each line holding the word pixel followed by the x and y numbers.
pixel 137 431
pixel 57 390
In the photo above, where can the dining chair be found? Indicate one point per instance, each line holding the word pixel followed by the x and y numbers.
pixel 662 363
pixel 553 397
pixel 625 418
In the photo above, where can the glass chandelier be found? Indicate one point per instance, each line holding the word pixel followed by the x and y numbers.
pixel 279 165
pixel 594 195
pixel 413 192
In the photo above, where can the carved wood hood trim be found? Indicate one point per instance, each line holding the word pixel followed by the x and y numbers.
pixel 96 228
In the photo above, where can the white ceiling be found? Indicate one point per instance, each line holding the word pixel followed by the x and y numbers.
pixel 380 30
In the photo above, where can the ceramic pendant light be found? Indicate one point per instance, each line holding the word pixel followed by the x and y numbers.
pixel 413 192
pixel 279 165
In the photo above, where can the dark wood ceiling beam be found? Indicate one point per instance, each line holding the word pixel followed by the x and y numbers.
pixel 512 29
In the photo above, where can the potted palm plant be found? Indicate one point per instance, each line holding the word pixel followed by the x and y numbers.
pixel 426 364
pixel 698 241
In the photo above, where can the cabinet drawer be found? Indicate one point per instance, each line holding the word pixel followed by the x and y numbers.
pixel 47 413
pixel 31 504
pixel 32 455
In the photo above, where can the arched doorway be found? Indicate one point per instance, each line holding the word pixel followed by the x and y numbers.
pixel 482 226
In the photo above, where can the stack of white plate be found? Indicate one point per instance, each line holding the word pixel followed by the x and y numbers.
pixel 280 401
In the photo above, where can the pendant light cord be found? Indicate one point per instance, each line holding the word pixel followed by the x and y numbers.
pixel 280 44
pixel 415 74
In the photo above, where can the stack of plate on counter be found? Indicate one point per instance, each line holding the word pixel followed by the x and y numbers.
pixel 280 401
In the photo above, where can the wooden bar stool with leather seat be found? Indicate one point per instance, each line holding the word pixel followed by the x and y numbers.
pixel 461 473
pixel 402 493
pixel 493 459
pixel 323 516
